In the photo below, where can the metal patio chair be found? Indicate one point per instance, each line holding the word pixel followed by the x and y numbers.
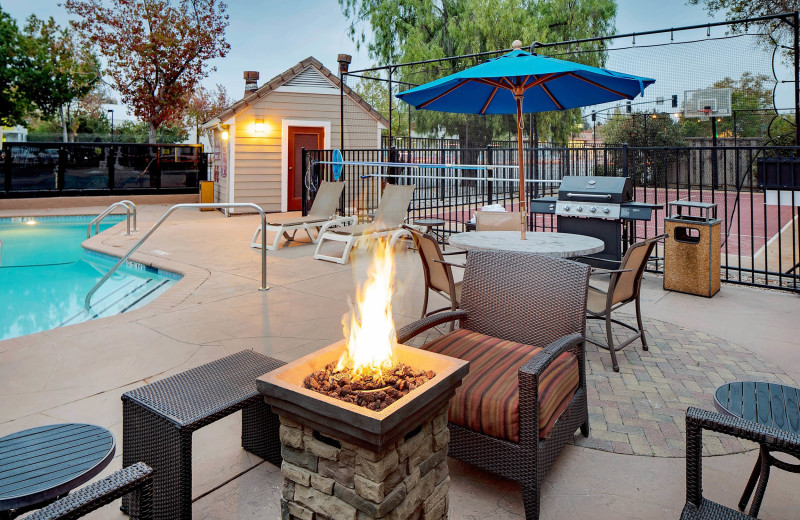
pixel 623 288
pixel 522 325
pixel 438 272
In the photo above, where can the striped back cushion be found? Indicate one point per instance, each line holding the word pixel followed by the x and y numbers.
pixel 488 399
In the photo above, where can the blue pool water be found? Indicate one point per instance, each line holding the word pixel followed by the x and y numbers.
pixel 45 275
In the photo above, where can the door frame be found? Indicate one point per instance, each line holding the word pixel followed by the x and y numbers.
pixel 285 124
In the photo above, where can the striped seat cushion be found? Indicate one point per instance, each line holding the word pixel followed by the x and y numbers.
pixel 488 399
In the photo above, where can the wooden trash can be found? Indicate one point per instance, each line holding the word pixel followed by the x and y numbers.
pixel 206 194
pixel 692 250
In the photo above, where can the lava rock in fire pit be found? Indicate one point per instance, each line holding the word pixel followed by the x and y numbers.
pixel 367 391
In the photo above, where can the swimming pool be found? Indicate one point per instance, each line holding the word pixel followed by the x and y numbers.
pixel 45 275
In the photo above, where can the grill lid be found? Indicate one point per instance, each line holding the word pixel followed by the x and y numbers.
pixel 576 188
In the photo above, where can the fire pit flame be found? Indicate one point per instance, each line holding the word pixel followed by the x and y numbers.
pixel 371 332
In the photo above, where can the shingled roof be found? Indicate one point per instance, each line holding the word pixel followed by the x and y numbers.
pixel 282 79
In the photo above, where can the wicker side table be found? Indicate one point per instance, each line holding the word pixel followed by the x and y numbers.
pixel 158 421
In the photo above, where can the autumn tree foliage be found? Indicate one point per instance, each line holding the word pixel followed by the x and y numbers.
pixel 156 51
pixel 204 105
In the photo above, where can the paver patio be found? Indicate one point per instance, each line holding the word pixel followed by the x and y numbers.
pixel 78 373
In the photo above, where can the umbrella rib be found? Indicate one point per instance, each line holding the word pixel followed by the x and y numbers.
pixel 460 84
pixel 488 101
pixel 598 85
pixel 488 82
pixel 552 98
pixel 545 79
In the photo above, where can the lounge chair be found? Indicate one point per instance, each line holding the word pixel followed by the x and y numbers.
pixel 522 330
pixel 388 218
pixel 623 288
pixel 323 211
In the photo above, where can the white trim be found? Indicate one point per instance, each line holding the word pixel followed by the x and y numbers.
pixel 333 91
pixel 285 124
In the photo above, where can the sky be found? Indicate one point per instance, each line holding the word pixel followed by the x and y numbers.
pixel 271 36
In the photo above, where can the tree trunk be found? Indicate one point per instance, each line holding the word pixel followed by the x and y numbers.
pixel 63 124
pixel 151 133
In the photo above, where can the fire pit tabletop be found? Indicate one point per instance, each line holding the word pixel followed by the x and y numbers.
pixel 283 389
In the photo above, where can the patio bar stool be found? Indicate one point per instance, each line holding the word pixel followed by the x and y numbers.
pixel 158 421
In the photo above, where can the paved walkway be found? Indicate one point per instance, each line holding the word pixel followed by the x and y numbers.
pixel 78 373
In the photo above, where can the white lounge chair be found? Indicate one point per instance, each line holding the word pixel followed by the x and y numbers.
pixel 388 218
pixel 322 212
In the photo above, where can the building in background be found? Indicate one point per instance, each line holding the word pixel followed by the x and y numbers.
pixel 258 141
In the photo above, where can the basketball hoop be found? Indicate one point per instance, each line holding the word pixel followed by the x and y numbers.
pixel 705 113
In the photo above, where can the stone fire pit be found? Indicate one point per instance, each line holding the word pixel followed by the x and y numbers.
pixel 345 462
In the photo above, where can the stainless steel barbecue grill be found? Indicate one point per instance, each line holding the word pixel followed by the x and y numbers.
pixel 600 207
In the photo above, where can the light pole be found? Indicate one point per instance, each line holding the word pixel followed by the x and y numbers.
pixel 112 123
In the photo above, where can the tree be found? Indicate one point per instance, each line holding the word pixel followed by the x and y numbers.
pixel 157 51
pixel 740 9
pixel 58 71
pixel 13 101
pixel 642 130
pixel 400 31
pixel 204 105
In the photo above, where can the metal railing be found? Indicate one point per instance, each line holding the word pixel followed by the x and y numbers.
pixel 264 286
pixel 129 206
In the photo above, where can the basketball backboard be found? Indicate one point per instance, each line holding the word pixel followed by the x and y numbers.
pixel 705 102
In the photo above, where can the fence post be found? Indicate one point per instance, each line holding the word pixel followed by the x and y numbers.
pixel 489 175
pixel 111 159
pixel 303 188
pixel 624 159
pixel 8 167
pixel 61 168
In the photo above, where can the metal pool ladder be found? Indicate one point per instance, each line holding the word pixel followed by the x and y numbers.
pixel 264 286
pixel 130 208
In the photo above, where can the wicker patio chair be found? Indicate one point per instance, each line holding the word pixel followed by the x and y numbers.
pixel 522 324
pixel 623 288
pixel 135 480
pixel 438 272
pixel 697 507
pixel 497 221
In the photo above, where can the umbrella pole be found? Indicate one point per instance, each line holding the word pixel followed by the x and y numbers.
pixel 520 157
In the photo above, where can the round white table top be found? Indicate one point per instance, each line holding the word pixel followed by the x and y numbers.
pixel 562 245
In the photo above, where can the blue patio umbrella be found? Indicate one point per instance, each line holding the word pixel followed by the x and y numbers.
pixel 520 82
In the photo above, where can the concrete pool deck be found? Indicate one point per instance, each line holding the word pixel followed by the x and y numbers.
pixel 78 373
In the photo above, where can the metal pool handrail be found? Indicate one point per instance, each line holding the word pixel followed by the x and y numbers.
pixel 129 206
pixel 264 286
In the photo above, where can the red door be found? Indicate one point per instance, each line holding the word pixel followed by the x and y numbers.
pixel 310 138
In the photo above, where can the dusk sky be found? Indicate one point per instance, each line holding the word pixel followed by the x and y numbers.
pixel 271 36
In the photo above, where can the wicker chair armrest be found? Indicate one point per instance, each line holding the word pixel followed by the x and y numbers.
pixel 420 326
pixel 698 420
pixel 138 476
pixel 451 264
pixel 537 365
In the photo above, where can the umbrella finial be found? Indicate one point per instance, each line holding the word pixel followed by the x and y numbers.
pixel 517 45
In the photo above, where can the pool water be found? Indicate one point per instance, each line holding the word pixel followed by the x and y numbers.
pixel 45 275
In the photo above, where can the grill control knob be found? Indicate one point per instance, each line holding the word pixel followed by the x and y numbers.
pixel 579 208
pixel 593 209
pixel 606 210
pixel 566 207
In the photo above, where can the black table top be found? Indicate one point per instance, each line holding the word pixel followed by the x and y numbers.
pixel 769 404
pixel 429 222
pixel 42 463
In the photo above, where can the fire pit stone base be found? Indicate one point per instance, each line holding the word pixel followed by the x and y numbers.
pixel 326 478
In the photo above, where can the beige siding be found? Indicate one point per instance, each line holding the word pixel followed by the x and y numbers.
pixel 258 172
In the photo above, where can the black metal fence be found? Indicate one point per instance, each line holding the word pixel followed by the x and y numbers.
pixel 58 169
pixel 759 239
